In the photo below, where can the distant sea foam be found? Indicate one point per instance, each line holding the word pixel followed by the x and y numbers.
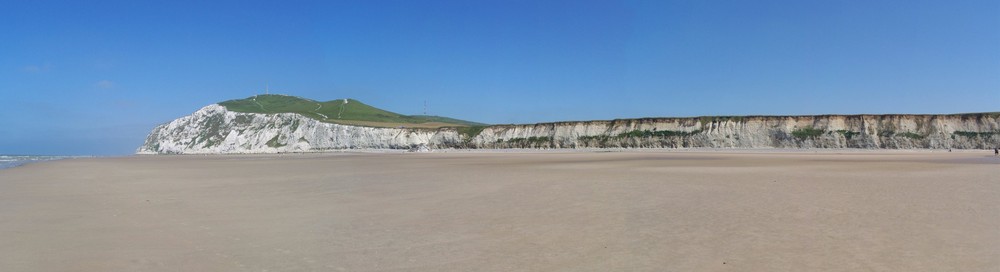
pixel 8 161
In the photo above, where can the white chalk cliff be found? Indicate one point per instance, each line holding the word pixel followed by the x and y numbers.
pixel 215 130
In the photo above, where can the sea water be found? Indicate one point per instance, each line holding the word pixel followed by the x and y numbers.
pixel 8 161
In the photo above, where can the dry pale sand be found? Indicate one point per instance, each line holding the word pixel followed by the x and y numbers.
pixel 646 211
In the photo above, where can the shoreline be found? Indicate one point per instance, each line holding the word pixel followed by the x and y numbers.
pixel 985 158
pixel 12 161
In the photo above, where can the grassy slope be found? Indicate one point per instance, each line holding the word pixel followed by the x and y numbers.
pixel 353 113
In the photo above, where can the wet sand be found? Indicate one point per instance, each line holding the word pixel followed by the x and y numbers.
pixel 561 211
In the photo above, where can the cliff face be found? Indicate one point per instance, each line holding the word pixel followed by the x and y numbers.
pixel 213 129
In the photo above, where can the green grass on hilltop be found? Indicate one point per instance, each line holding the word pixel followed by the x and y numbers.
pixel 336 111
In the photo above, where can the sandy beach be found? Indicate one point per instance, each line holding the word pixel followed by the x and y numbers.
pixel 493 211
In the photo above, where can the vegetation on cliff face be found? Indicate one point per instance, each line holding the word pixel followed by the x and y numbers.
pixel 340 111
pixel 470 131
pixel 530 140
pixel 911 135
pixel 976 134
pixel 848 134
pixel 657 133
pixel 807 132
pixel 640 134
pixel 273 142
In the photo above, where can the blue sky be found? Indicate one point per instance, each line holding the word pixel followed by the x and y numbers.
pixel 94 77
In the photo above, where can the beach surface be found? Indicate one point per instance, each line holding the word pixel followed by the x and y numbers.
pixel 517 211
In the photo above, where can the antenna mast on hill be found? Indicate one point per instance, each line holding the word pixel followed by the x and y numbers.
pixel 267 89
pixel 425 107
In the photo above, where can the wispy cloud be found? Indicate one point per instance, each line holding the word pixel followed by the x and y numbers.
pixel 105 84
pixel 34 69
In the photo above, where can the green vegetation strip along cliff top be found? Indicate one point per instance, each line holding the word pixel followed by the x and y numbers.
pixel 336 111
